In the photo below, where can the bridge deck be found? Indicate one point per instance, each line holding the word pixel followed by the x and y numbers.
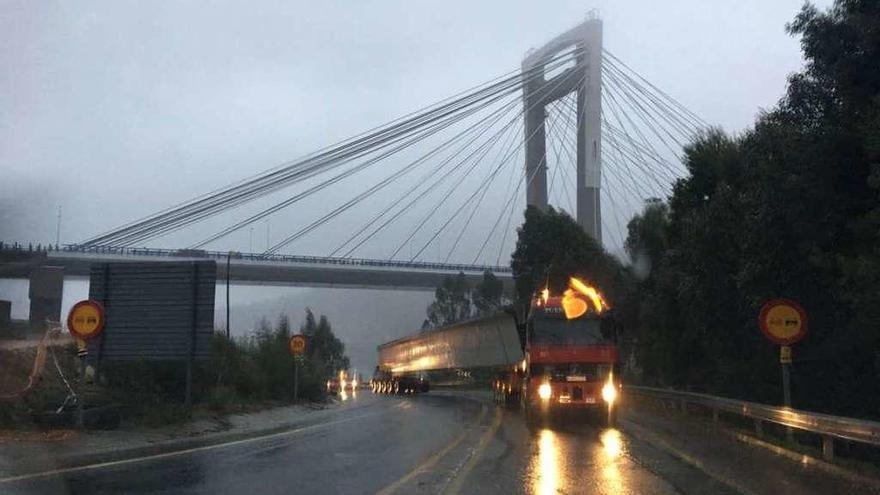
pixel 254 269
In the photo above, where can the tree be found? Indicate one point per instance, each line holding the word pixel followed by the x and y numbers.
pixel 646 241
pixel 550 248
pixel 789 208
pixel 488 295
pixel 452 302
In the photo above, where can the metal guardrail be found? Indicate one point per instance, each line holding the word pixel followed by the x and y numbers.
pixel 222 255
pixel 827 426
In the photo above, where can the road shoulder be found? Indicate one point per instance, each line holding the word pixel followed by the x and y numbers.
pixel 95 447
pixel 743 467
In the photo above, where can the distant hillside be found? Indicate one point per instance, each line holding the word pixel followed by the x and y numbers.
pixel 362 319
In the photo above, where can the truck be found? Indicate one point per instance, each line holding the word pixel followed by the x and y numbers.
pixel 562 357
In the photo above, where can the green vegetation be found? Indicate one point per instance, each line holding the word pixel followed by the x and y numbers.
pixel 240 375
pixel 551 247
pixel 454 300
pixel 787 209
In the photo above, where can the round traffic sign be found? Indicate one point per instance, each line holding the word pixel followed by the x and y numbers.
pixel 86 319
pixel 297 345
pixel 783 321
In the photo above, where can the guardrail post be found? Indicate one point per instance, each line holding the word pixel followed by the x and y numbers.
pixel 684 407
pixel 828 447
pixel 715 414
pixel 759 428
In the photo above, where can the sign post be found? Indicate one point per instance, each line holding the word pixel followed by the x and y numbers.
pixel 297 346
pixel 784 322
pixel 85 321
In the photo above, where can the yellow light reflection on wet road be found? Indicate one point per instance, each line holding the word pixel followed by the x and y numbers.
pixel 573 461
pixel 547 468
pixel 611 443
pixel 608 460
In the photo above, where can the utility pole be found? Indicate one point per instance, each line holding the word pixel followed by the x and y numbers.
pixel 267 235
pixel 251 241
pixel 228 322
pixel 58 228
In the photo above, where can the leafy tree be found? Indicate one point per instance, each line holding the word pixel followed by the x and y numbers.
pixel 452 302
pixel 550 248
pixel 647 235
pixel 488 295
pixel 790 208
pixel 325 349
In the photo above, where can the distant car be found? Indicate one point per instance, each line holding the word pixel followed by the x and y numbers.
pixel 343 382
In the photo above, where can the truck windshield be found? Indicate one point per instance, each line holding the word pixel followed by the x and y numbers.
pixel 567 332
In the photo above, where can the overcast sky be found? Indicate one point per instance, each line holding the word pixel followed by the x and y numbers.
pixel 117 109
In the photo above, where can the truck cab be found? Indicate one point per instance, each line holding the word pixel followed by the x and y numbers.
pixel 571 358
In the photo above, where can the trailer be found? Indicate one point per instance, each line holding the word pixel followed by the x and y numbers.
pixel 480 344
pixel 562 358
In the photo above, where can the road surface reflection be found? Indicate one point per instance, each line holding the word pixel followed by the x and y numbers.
pixel 607 461
pixel 548 463
pixel 561 462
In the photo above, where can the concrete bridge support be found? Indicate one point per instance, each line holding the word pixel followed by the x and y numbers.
pixel 584 79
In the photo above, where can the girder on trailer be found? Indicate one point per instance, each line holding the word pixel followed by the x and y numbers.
pixel 490 341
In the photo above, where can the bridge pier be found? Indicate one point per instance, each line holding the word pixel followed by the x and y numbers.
pixel 46 288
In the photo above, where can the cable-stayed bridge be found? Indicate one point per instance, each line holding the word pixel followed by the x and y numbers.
pixel 442 189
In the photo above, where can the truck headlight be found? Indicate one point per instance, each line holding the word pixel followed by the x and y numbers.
pixel 544 391
pixel 609 392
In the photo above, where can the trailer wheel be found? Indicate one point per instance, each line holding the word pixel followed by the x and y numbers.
pixel 396 387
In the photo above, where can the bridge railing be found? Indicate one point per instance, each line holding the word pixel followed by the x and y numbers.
pixel 825 425
pixel 283 258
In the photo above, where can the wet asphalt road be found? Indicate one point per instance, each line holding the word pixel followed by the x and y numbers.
pixel 433 443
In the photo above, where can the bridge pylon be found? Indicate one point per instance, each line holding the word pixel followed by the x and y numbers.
pixel 585 79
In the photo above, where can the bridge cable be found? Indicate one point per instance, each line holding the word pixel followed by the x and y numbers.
pixel 646 148
pixel 345 206
pixel 537 101
pixel 279 177
pixel 419 183
pixel 510 201
pixel 362 166
pixel 647 118
pixel 519 183
pixel 474 210
pixel 608 193
pixel 424 193
pixel 607 55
